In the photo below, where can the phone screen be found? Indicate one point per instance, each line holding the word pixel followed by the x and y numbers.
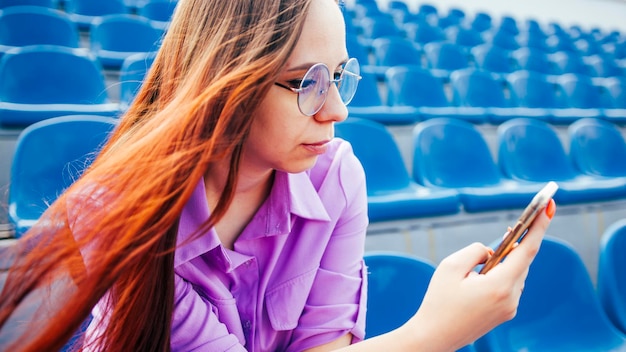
pixel 513 235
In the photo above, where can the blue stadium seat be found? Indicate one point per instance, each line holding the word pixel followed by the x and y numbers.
pixel 452 154
pixel 532 59
pixel 503 39
pixel 597 147
pixel 561 42
pixel 482 92
pixel 559 309
pixel 579 92
pixel 158 10
pixel 390 192
pixel 614 90
pixel 395 51
pixel 379 26
pixel 493 58
pixel 368 104
pixel 49 156
pixel 132 73
pixel 604 67
pixel 612 273
pixel 397 284
pixel 83 12
pixel 115 37
pixel 464 36
pixel 534 90
pixel 419 88
pixel 481 22
pixel 530 150
pixel 570 62
pixel 508 24
pixel 5 4
pixel 358 50
pixel 40 82
pixel 423 33
pixel 445 57
pixel 35 25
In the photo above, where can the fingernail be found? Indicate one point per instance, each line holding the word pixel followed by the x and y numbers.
pixel 550 209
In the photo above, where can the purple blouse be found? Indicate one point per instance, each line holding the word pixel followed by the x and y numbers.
pixel 296 277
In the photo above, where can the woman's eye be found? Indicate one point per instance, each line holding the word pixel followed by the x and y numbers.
pixel 337 75
pixel 306 83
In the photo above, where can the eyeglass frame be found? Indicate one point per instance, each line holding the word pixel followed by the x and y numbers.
pixel 330 82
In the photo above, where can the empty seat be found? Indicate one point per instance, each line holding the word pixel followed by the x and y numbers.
pixel 452 154
pixel 159 11
pixel 597 147
pixel 368 104
pixel 419 88
pixel 423 32
pixel 40 82
pixel 83 12
pixel 612 273
pixel 115 37
pixel 532 59
pixel 493 58
pixel 463 36
pixel 49 156
pixel 570 62
pixel 604 67
pixel 391 194
pixel 444 57
pixel 482 92
pixel 534 90
pixel 503 39
pixel 559 309
pixel 580 93
pixel 397 283
pixel 394 51
pixel 481 22
pixel 132 73
pixel 5 4
pixel 614 92
pixel 530 150
pixel 379 26
pixel 34 25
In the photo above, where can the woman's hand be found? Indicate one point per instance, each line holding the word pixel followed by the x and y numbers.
pixel 460 305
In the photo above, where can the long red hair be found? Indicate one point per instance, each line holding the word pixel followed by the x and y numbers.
pixel 196 105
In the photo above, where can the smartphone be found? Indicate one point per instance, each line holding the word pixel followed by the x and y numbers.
pixel 513 235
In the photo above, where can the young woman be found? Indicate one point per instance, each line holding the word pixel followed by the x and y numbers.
pixel 223 216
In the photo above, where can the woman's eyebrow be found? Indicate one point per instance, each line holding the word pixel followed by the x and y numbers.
pixel 306 66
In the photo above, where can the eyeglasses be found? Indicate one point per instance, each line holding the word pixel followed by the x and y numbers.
pixel 314 86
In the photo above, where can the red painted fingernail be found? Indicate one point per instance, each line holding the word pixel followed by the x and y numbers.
pixel 551 208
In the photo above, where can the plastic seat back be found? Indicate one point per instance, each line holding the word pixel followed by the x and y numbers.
pixel 49 156
pixel 446 56
pixel 414 86
pixel 559 309
pixel 580 92
pixel 95 8
pixel 124 33
pixel 381 159
pixel 612 273
pixel 49 74
pixel 597 147
pixel 356 49
pixel 33 25
pixel 423 32
pixel 492 58
pixel 367 94
pixel 570 62
pixel 531 150
pixel 393 51
pixel 479 88
pixel 158 10
pixel 533 59
pixel 452 153
pixel 5 4
pixel 615 90
pixel 396 286
pixel 466 37
pixel 132 74
pixel 533 90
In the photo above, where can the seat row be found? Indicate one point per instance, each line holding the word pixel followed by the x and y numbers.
pixel 445 56
pixel 84 12
pixel 111 38
pixel 453 168
pixel 412 93
pixel 368 21
pixel 559 309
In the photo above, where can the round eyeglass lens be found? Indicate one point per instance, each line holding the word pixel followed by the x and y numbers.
pixel 349 80
pixel 313 89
